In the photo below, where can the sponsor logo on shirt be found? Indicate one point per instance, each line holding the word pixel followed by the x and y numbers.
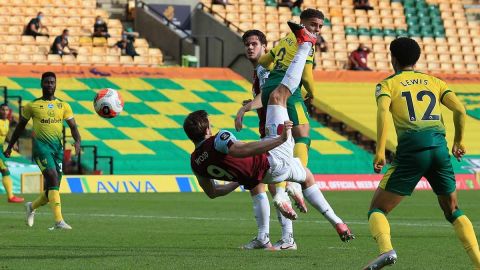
pixel 225 136
pixel 50 121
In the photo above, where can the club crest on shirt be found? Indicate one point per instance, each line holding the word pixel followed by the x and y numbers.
pixel 225 136
pixel 51 113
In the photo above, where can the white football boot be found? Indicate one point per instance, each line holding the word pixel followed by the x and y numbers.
pixel 387 258
pixel 29 214
pixel 61 225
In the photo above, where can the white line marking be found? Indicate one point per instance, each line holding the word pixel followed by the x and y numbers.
pixel 357 222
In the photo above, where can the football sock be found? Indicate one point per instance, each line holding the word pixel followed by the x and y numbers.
pixel 294 72
pixel 276 115
pixel 287 226
pixel 315 197
pixel 380 230
pixel 39 201
pixel 261 208
pixel 280 187
pixel 7 184
pixel 301 151
pixel 464 230
pixel 55 204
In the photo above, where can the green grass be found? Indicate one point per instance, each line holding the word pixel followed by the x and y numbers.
pixel 190 231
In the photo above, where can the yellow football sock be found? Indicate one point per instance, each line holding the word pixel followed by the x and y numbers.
pixel 466 234
pixel 301 151
pixel 7 184
pixel 39 201
pixel 55 204
pixel 380 230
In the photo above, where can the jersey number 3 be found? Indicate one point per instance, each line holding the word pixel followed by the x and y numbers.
pixel 411 110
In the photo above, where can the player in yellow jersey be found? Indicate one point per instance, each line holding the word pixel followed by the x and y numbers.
pixel 6 180
pixel 48 114
pixel 415 99
pixel 295 52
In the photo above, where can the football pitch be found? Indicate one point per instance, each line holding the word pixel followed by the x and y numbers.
pixel 190 231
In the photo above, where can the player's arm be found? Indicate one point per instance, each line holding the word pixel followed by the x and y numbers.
pixel 226 143
pixel 240 149
pixel 75 134
pixel 451 101
pixel 266 60
pixel 383 105
pixel 16 134
pixel 254 104
pixel 307 81
pixel 213 190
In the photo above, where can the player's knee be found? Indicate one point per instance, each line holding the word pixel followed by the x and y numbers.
pixel 5 172
pixel 51 178
pixel 452 216
pixel 375 210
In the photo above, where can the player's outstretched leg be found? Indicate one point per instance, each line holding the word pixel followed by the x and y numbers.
pixel 8 186
pixel 315 197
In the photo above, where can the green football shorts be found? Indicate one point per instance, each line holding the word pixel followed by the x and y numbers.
pixel 48 157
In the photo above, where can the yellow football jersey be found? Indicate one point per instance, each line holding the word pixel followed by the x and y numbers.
pixel 284 52
pixel 416 100
pixel 48 116
pixel 4 126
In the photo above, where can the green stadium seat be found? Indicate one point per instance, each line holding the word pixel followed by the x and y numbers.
pixel 376 32
pixel 401 32
pixel 350 31
pixel 362 31
pixel 389 32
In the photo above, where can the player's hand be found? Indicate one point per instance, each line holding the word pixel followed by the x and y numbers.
pixel 287 130
pixel 7 152
pixel 76 145
pixel 378 163
pixel 246 101
pixel 239 119
pixel 458 150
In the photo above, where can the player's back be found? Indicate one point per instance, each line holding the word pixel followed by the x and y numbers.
pixel 208 161
pixel 415 102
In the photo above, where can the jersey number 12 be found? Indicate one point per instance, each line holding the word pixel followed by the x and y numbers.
pixel 411 110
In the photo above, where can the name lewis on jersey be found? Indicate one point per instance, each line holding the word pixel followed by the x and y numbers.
pixel 414 82
pixel 201 158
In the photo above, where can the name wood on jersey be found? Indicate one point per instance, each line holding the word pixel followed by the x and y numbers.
pixel 201 158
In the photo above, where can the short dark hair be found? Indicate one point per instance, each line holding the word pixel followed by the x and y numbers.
pixel 405 50
pixel 65 30
pixel 3 105
pixel 311 13
pixel 48 74
pixel 195 125
pixel 254 32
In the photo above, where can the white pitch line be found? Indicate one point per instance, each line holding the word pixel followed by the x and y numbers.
pixel 357 222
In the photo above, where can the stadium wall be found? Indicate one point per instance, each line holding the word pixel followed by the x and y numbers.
pixel 161 36
pixel 203 25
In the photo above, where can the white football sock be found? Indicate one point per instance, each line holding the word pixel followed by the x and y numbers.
pixel 316 198
pixel 294 72
pixel 261 208
pixel 276 115
pixel 287 226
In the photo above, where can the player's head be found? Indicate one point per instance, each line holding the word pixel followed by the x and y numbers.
pixel 197 126
pixel 255 43
pixel 312 19
pixel 4 110
pixel 49 83
pixel 40 15
pixel 405 52
pixel 65 33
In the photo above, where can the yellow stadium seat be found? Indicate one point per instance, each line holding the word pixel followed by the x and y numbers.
pixel 39 59
pixel 84 60
pixel 444 57
pixel 431 57
pixel 54 59
pixel 69 60
pixel 126 60
pixel 112 60
pixel 99 59
pixel 457 57
pixel 141 61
